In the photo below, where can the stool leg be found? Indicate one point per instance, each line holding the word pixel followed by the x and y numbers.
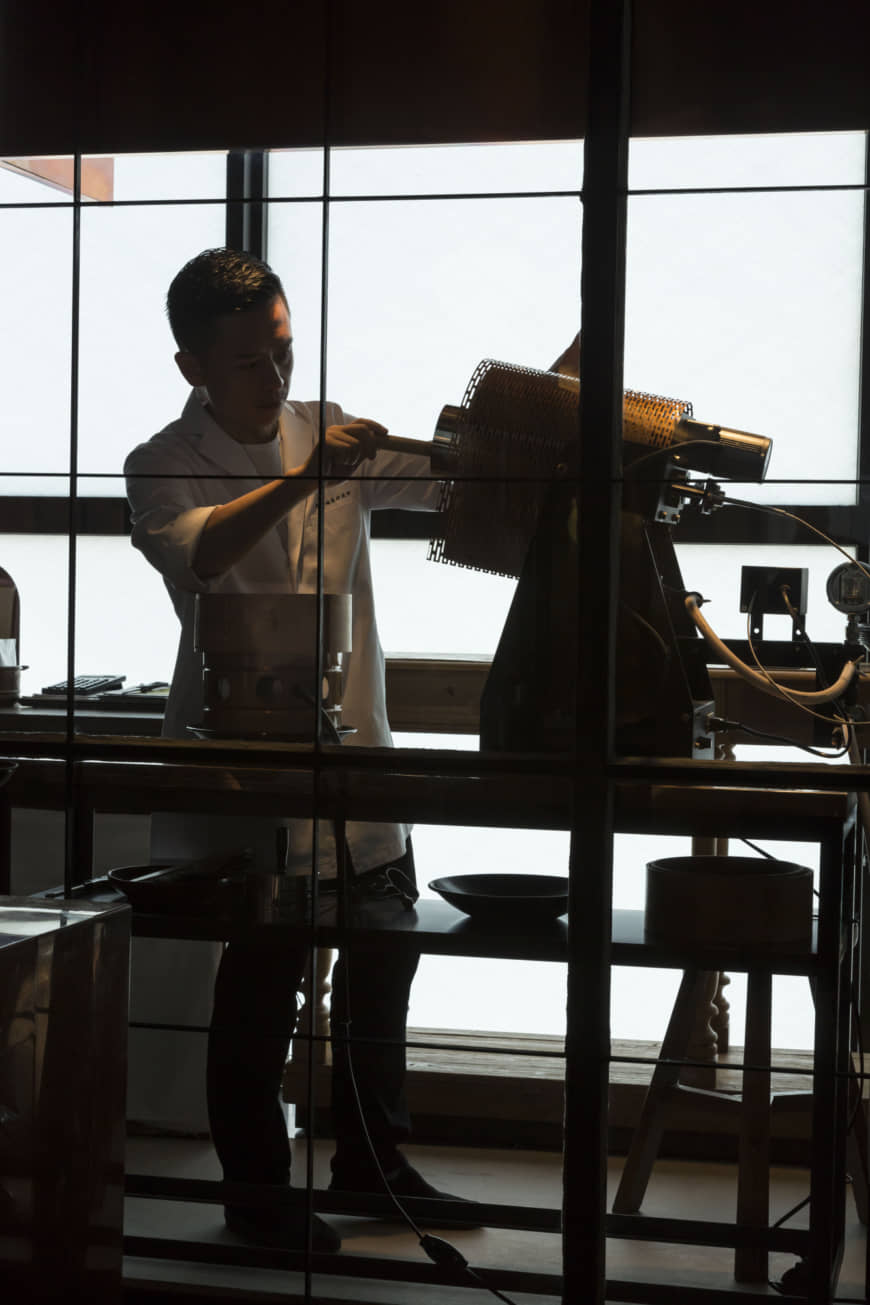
pixel 856 1159
pixel 648 1134
pixel 753 1170
pixel 703 1043
pixel 721 1022
pixel 857 1154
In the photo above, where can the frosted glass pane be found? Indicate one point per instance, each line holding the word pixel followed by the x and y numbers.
pixel 455 169
pixel 39 566
pixel 295 252
pixel 44 486
pixel 295 172
pixel 421 291
pixel 125 623
pixel 426 607
pixel 169 176
pixel 124 620
pixel 463 992
pixel 782 159
pixel 749 307
pixel 129 386
pixel 529 997
pixel 20 188
pixel 793 1012
pixel 35 333
pixel 714 570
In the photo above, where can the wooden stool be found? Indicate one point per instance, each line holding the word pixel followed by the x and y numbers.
pixel 666 1094
pixel 715 900
pixel 754 1104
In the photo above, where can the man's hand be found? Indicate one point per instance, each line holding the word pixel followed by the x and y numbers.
pixel 233 528
pixel 345 447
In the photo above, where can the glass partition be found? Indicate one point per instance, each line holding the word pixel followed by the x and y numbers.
pixel 405 270
pixel 129 386
pixel 748 305
pixel 36 314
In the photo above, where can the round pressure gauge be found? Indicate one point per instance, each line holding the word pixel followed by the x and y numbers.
pixel 848 588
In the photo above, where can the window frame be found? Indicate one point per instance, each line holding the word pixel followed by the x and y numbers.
pixel 247 208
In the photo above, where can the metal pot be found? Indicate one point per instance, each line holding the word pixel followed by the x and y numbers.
pixel 10 684
pixel 261 674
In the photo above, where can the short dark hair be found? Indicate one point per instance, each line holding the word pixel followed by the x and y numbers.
pixel 216 282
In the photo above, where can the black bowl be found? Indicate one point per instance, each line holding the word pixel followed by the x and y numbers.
pixel 193 896
pixel 506 899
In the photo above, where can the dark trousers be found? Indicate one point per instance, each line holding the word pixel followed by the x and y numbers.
pixel 253 1020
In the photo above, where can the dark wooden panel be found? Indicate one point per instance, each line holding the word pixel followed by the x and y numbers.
pixel 455 71
pixel 217 77
pixel 105 78
pixel 784 65
pixel 43 77
pixel 207 76
pixel 54 515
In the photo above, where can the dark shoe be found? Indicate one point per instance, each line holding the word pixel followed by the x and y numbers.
pixel 406 1181
pixel 285 1228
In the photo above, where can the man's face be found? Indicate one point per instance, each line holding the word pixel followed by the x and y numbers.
pixel 246 370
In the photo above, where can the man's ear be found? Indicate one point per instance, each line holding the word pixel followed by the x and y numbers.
pixel 189 366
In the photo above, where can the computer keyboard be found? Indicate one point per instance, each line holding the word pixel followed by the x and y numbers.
pixel 84 686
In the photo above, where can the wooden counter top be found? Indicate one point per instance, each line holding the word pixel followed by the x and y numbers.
pixel 433 787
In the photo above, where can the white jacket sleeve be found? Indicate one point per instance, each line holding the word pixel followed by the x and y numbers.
pixel 399 480
pixel 167 519
pixel 391 480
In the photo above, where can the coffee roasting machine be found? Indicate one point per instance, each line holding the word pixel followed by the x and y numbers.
pixel 509 456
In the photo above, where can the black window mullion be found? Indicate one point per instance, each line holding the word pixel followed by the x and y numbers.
pixel 71 816
pixel 602 313
pixel 864 358
pixel 247 185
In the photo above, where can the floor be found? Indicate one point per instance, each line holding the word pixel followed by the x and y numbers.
pixel 522 1177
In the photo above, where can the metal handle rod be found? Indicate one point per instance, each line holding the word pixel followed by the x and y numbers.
pixel 441 450
pixel 401 444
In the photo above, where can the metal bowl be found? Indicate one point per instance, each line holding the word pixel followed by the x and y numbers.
pixel 526 900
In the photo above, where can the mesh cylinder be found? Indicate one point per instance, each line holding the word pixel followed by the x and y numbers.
pixel 518 430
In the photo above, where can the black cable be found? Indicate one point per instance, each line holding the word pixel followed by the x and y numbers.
pixel 804 640
pixel 854 1006
pixel 778 738
pixel 487 1286
pixel 770 855
pixel 669 450
pixel 784 1288
pixel 720 723
pixel 759 850
pixel 663 647
pixel 438 1250
pixel 790 1213
pixel 345 1026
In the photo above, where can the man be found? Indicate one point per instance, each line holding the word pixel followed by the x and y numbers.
pixel 224 501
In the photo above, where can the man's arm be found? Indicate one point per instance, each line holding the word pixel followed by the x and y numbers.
pixel 233 528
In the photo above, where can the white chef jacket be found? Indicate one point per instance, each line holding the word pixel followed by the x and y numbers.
pixel 173 483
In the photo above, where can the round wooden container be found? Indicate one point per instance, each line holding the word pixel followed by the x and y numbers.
pixel 728 900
